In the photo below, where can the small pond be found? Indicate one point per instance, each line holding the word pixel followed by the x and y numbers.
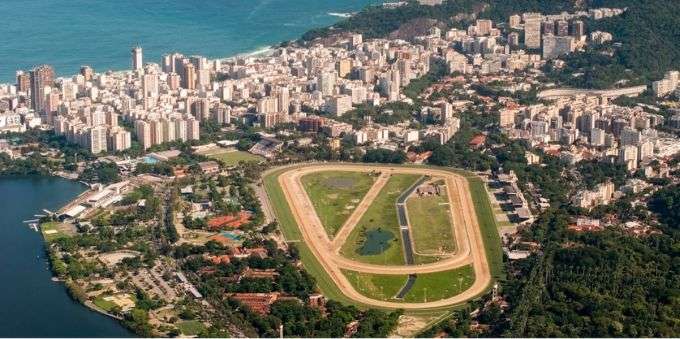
pixel 377 241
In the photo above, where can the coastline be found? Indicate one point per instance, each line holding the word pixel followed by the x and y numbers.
pixel 37 291
pixel 70 285
pixel 229 30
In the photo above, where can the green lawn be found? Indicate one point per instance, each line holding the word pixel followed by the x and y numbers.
pixel 232 158
pixel 376 286
pixel 488 226
pixel 335 195
pixel 190 327
pixel 431 224
pixel 382 214
pixel 104 304
pixel 428 287
pixel 48 230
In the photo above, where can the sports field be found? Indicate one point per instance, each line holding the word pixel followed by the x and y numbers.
pixel 376 238
pixel 232 157
pixel 335 195
pixel 52 231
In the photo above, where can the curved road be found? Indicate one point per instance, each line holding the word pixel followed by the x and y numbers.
pixel 467 233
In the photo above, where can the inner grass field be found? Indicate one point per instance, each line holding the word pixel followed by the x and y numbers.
pixel 431 224
pixel 382 214
pixel 428 286
pixel 335 195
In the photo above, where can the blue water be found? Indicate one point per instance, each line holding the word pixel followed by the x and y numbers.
pixel 231 235
pixel 150 160
pixel 32 304
pixel 100 33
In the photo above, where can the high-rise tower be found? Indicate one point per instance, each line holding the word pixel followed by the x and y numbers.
pixel 41 77
pixel 137 58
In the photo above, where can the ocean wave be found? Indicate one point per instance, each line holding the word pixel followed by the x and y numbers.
pixel 260 51
pixel 340 15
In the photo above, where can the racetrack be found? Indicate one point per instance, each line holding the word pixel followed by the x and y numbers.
pixel 470 245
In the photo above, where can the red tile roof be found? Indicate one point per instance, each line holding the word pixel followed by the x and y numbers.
pixel 230 221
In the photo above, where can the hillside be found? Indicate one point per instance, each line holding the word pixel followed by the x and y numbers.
pixel 649 33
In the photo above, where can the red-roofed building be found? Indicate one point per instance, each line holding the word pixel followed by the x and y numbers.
pixel 260 274
pixel 218 259
pixel 257 302
pixel 477 141
pixel 418 158
pixel 179 171
pixel 229 221
pixel 241 253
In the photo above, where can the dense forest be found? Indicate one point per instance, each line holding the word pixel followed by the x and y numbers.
pixel 377 22
pixel 586 285
pixel 645 46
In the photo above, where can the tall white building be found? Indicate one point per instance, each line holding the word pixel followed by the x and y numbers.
pixel 119 139
pixel 143 132
pixel 555 46
pixel 96 139
pixel 193 129
pixel 532 30
pixel 326 82
pixel 137 58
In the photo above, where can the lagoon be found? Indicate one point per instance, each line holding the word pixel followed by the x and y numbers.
pixel 32 304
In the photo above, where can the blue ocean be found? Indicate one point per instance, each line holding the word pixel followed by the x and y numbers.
pixel 100 33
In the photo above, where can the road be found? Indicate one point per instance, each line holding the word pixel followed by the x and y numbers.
pixel 557 93
pixel 470 245
pixel 267 210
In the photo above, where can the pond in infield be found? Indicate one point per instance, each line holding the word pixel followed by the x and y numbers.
pixel 376 241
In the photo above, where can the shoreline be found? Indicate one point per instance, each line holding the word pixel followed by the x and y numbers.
pixel 70 285
pixel 55 193
pixel 260 51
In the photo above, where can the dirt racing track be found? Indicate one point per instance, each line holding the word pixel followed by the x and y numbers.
pixel 468 237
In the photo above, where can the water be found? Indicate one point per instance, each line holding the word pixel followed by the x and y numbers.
pixel 32 304
pixel 100 33
pixel 377 241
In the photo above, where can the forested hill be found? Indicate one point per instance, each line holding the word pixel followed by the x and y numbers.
pixel 649 32
pixel 593 284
